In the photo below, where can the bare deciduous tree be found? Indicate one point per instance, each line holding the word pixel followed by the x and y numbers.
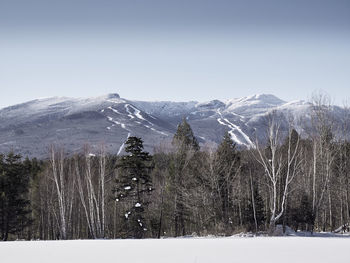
pixel 64 185
pixel 276 163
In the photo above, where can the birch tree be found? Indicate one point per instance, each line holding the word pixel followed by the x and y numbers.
pixel 275 163
pixel 91 179
pixel 64 185
pixel 324 153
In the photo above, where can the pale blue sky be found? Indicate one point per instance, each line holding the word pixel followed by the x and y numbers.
pixel 174 50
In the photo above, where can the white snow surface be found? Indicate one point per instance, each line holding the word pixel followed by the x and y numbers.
pixel 252 105
pixel 137 112
pixel 128 111
pixel 110 119
pixel 180 250
pixel 114 110
pixel 233 128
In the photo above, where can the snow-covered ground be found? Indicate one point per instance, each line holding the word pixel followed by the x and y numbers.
pixel 181 250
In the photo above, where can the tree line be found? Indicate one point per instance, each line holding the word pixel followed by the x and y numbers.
pixel 297 181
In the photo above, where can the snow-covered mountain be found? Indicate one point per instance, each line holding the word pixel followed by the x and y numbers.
pixel 30 128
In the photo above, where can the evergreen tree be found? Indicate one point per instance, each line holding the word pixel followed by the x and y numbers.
pixel 14 203
pixel 248 214
pixel 226 166
pixel 302 213
pixel 186 146
pixel 184 137
pixel 33 167
pixel 133 185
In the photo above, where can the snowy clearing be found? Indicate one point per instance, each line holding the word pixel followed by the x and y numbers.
pixel 180 250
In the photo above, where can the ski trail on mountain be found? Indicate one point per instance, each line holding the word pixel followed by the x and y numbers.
pixel 110 119
pixel 122 146
pixel 233 136
pixel 153 129
pixel 114 110
pixel 233 127
pixel 137 114
pixel 128 111
pixel 245 136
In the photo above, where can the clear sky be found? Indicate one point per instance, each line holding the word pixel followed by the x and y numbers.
pixel 174 49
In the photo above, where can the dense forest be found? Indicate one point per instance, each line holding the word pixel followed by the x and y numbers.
pixel 182 188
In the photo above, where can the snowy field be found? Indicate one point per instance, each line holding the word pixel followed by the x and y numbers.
pixel 181 250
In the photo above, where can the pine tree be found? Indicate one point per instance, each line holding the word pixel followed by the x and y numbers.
pixel 134 185
pixel 181 176
pixel 14 203
pixel 226 167
pixel 184 136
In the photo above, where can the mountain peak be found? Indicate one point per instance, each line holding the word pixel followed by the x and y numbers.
pixel 113 96
pixel 267 98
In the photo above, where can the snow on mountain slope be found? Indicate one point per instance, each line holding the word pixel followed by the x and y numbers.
pixel 172 112
pixel 31 127
pixel 253 105
pixel 234 128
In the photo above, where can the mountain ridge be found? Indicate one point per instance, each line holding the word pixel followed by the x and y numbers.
pixel 31 127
